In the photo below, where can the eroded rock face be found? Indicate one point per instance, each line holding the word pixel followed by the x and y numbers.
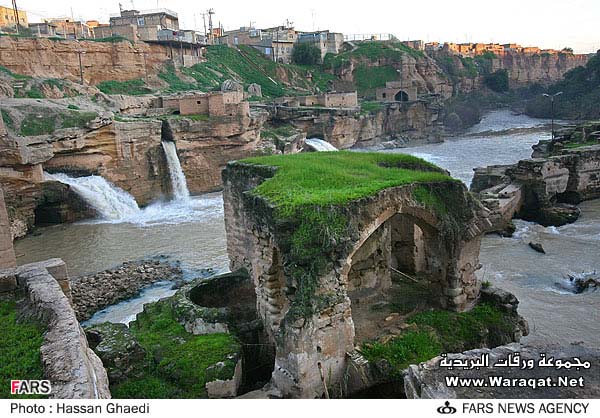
pixel 128 154
pixel 205 146
pixel 321 340
pixel 7 252
pixel 427 380
pixel 102 61
pixel 404 123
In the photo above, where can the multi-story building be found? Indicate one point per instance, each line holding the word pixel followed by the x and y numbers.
pixel 71 29
pixel 43 29
pixel 139 25
pixel 8 20
pixel 327 42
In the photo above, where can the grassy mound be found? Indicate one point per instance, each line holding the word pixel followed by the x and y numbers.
pixel 338 177
pixel 19 349
pixel 176 361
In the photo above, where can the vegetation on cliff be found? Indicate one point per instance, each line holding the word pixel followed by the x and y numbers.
pixel 177 364
pixel 19 349
pixel 435 332
pixel 247 65
pixel 580 98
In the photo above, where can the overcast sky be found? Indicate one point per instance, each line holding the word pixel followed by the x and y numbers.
pixel 544 23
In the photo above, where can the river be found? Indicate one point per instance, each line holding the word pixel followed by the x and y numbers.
pixel 194 233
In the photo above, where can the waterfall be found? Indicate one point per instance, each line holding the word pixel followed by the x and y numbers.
pixel 109 201
pixel 178 183
pixel 317 144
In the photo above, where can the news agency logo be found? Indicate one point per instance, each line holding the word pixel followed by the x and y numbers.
pixel 446 409
pixel 30 387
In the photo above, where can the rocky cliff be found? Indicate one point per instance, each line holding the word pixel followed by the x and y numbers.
pixel 101 61
pixel 206 146
pixel 403 123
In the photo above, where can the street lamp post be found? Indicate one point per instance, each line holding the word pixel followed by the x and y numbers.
pixel 552 96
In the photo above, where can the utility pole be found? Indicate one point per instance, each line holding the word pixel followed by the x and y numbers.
pixel 16 12
pixel 552 96
pixel 79 53
pixel 210 12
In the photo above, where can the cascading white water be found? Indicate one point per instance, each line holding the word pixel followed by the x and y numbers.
pixel 319 145
pixel 178 182
pixel 109 201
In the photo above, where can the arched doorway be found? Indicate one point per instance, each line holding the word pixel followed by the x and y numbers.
pixel 401 96
pixel 394 271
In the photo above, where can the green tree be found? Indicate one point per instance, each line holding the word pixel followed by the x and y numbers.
pixel 497 81
pixel 306 54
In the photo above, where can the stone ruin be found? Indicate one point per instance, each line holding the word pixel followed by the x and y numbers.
pixel 392 231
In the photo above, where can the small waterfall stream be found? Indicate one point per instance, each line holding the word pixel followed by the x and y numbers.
pixel 319 145
pixel 178 182
pixel 109 201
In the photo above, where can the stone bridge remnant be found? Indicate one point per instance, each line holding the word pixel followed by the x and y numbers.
pixel 311 309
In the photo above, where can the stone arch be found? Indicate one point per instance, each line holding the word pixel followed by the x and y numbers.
pixel 401 96
pixel 407 241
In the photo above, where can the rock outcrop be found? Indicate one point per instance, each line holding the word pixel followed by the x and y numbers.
pixel 404 123
pixel 94 292
pixel 206 146
pixel 543 190
pixel 428 380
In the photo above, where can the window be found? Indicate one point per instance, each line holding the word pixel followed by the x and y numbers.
pixel 140 21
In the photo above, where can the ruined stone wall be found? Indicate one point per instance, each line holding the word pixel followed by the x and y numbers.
pixel 321 341
pixel 40 57
pixel 541 189
pixel 7 252
pixel 73 369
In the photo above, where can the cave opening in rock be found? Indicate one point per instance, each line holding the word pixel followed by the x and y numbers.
pixel 392 275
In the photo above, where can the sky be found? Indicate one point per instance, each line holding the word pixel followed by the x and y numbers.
pixel 544 23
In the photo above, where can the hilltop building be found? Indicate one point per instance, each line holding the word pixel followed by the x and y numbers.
pixel 7 18
pixel 396 91
pixel 70 29
pixel 213 104
pixel 137 25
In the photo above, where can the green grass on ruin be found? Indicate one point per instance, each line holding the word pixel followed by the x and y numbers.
pixel 311 193
pixel 176 361
pixel 19 349
pixel 439 331
pixel 338 177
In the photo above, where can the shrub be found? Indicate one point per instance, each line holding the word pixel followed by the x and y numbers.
pixel 135 87
pixel 497 81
